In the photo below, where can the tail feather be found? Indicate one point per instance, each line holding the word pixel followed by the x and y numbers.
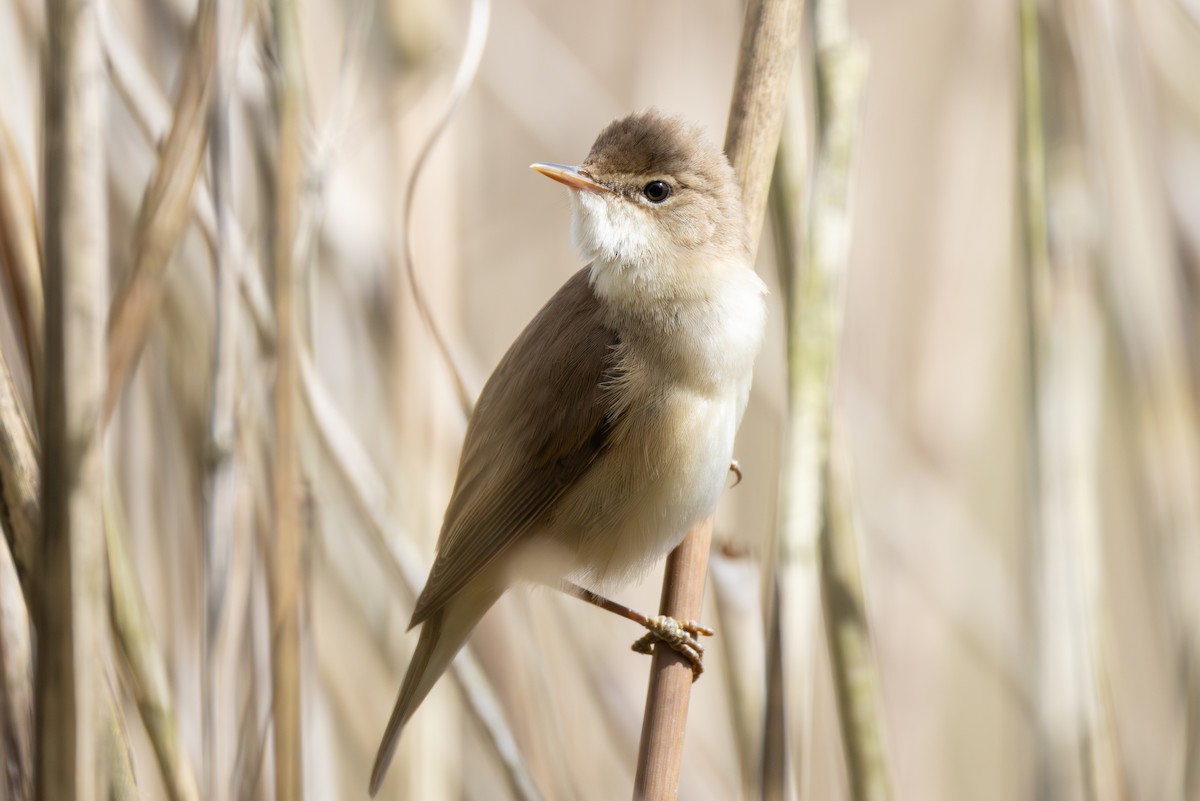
pixel 442 635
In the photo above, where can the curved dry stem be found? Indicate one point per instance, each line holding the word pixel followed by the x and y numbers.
pixel 152 114
pixel 21 257
pixel 20 481
pixel 467 67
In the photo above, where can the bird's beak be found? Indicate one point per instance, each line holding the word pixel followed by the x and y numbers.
pixel 571 176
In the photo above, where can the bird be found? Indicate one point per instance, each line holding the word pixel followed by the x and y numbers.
pixel 606 431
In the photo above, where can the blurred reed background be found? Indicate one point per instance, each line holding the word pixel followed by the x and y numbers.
pixel 1013 443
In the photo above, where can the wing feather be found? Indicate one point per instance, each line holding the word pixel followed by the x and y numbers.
pixel 541 422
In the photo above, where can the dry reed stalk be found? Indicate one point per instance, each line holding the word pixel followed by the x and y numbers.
pixel 792 622
pixel 69 608
pixel 20 476
pixel 130 625
pixel 20 485
pixel 1142 280
pixel 164 213
pixel 855 674
pixel 255 712
pixel 152 114
pixel 148 671
pixel 221 474
pixel 818 546
pixel 1066 363
pixel 770 38
pixel 21 257
pixel 285 564
pixel 660 753
pixel 122 785
pixel 328 145
pixel 841 69
pixel 770 43
pixel 775 780
pixel 737 592
pixel 16 685
pixel 1061 719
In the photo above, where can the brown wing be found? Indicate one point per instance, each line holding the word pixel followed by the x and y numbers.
pixel 539 425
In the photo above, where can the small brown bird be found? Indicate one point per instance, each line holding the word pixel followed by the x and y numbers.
pixel 606 431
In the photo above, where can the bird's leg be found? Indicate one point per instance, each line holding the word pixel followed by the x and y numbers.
pixel 682 636
pixel 736 469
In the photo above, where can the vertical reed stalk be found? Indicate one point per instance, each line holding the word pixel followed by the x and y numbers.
pixel 20 477
pixel 220 481
pixel 70 601
pixel 660 754
pixel 793 617
pixel 816 299
pixel 818 542
pixel 1061 735
pixel 770 38
pixel 285 554
pixel 1066 358
pixel 1142 278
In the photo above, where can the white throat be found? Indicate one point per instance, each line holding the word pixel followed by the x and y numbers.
pixel 704 307
pixel 615 231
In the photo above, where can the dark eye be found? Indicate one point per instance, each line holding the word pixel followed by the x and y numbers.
pixel 657 191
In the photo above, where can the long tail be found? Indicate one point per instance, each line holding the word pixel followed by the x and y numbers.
pixel 442 635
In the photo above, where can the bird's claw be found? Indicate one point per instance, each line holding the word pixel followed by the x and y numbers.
pixel 682 637
pixel 736 469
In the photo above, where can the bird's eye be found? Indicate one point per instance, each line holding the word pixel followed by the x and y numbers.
pixel 657 191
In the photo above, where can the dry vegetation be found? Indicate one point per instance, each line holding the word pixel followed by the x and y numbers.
pixel 975 425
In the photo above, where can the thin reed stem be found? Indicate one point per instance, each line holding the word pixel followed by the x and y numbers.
pixel 144 660
pixel 70 602
pixel 1065 397
pixel 841 69
pixel 221 475
pixel 285 581
pixel 770 39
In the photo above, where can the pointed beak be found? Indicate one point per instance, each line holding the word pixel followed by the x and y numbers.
pixel 571 176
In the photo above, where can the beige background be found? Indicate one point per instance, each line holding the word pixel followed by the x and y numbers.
pixel 933 387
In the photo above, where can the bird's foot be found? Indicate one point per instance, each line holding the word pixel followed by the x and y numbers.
pixel 736 469
pixel 683 637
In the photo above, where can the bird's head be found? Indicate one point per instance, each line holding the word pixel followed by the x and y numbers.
pixel 655 207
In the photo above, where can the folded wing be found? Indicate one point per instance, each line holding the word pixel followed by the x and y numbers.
pixel 541 422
